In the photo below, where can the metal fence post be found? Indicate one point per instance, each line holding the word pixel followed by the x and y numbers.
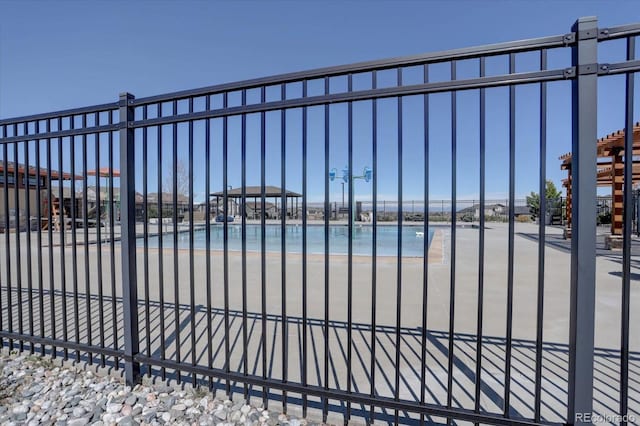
pixel 128 239
pixel 583 223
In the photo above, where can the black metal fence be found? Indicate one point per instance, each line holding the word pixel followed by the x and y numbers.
pixel 388 335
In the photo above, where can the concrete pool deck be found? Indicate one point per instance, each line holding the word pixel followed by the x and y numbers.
pixel 556 315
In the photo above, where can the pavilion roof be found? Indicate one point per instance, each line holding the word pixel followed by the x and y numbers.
pixel 607 144
pixel 605 174
pixel 256 192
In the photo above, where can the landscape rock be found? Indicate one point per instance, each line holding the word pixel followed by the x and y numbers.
pixel 37 392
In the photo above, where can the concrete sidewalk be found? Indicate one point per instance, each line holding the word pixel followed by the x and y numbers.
pixel 174 325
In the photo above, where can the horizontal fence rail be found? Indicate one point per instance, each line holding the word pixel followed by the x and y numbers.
pixel 209 236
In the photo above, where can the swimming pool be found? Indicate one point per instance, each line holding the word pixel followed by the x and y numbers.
pixel 387 239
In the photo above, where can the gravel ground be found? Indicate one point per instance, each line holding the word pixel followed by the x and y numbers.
pixel 35 390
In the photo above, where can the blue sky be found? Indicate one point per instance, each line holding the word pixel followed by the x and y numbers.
pixel 59 55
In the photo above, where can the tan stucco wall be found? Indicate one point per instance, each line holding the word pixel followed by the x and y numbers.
pixel 33 206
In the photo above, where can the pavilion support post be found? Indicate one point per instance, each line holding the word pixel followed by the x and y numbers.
pixel 568 206
pixel 614 241
pixel 617 183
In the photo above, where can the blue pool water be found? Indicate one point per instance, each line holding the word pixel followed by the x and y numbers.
pixel 387 239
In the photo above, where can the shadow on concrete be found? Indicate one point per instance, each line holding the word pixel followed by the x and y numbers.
pixel 169 323
pixel 558 242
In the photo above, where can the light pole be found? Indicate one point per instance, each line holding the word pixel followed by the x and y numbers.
pixel 347 177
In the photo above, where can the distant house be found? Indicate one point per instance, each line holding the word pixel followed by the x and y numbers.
pixel 493 210
pixel 166 199
pixel 521 211
pixel 107 200
pixel 489 210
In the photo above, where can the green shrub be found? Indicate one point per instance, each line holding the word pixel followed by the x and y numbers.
pixel 604 219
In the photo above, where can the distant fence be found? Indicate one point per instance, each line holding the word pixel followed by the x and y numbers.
pixel 344 336
pixel 413 210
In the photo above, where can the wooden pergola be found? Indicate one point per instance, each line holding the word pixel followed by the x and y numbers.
pixel 610 151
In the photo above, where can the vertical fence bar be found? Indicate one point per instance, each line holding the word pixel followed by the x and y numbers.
pixel 85 229
pixel 263 243
pixel 52 305
pixel 283 242
pixel 192 290
pixel 145 234
pixel 628 216
pixel 207 235
pixel 225 196
pixel 16 192
pixel 74 239
pixel 452 286
pixel 128 239
pixel 583 235
pixel 63 230
pixel 160 202
pixel 112 239
pixel 327 212
pixel 350 244
pixel 7 235
pixel 243 211
pixel 374 241
pixel 27 202
pixel 304 365
pixel 481 235
pixel 542 216
pixel 399 253
pixel 511 243
pixel 99 243
pixel 38 240
pixel 174 214
pixel 425 255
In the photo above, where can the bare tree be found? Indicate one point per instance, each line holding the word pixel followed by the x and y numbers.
pixel 182 180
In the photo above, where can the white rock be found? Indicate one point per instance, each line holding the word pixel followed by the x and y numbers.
pixel 192 411
pixel 114 408
pixel 204 402
pixel 20 409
